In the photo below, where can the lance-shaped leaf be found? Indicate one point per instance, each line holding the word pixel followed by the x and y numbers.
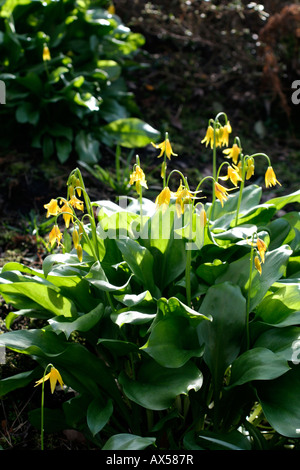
pixel 127 442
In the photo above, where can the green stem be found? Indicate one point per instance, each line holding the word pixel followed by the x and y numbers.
pixel 118 153
pixel 188 277
pixel 42 408
pixel 241 190
pixel 249 295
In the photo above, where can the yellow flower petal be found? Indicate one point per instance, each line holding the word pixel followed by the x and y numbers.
pixel 221 193
pixel 52 208
pixel 270 178
pixel 165 146
pixel 233 153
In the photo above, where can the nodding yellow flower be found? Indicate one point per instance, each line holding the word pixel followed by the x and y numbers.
pixel 221 193
pixel 46 53
pixel 75 237
pixel 209 137
pixel 52 208
pixel 257 264
pixel 55 235
pixel 78 187
pixel 79 252
pixel 76 203
pixel 165 146
pixel 183 196
pixel 54 377
pixel 233 153
pixel 67 214
pixel 163 199
pixel 224 135
pixel 250 168
pixel 138 177
pixel 111 9
pixel 261 246
pixel 233 174
pixel 270 178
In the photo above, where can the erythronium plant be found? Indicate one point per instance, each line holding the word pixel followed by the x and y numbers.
pixel 174 323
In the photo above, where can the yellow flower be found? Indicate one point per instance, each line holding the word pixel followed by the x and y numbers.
pixel 52 208
pixel 75 237
pixel 233 174
pixel 183 196
pixel 138 177
pixel 76 203
pixel 257 264
pixel 233 153
pixel 209 137
pixel 261 246
pixel 46 53
pixel 163 199
pixel 221 193
pixel 165 146
pixel 224 135
pixel 55 235
pixel 67 214
pixel 250 168
pixel 79 252
pixel 270 178
pixel 54 377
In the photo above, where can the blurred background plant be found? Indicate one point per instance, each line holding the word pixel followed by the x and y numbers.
pixel 64 63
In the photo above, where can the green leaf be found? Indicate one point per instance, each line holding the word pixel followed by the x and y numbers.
pixel 128 442
pixel 87 147
pixel 272 270
pixel 258 363
pixel 83 323
pixel 281 201
pixel 47 296
pixel 63 148
pixel 280 403
pixel 279 306
pixel 98 415
pixel 140 261
pixel 130 133
pixel 173 342
pixel 282 341
pixel 223 336
pixel 156 387
pixel 111 68
pixel 21 380
pixel 209 440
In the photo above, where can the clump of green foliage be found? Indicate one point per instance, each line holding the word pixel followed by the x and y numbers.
pixel 63 63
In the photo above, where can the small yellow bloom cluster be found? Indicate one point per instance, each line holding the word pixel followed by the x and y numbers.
pixel 182 196
pixel 261 248
pixel 218 135
pixel 68 212
pixel 138 177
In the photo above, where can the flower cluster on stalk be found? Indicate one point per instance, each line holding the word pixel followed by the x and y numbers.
pixel 66 208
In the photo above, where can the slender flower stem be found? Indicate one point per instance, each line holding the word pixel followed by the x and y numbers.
pixel 42 408
pixel 241 190
pixel 249 294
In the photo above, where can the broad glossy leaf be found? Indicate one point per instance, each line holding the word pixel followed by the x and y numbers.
pixel 130 132
pixel 258 363
pixel 272 270
pixel 127 442
pixel 279 399
pixel 279 306
pixel 83 323
pixel 209 440
pixel 284 342
pixel 281 201
pixel 18 381
pixel 222 337
pixel 98 415
pixel 156 387
pixel 173 342
pixel 140 261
